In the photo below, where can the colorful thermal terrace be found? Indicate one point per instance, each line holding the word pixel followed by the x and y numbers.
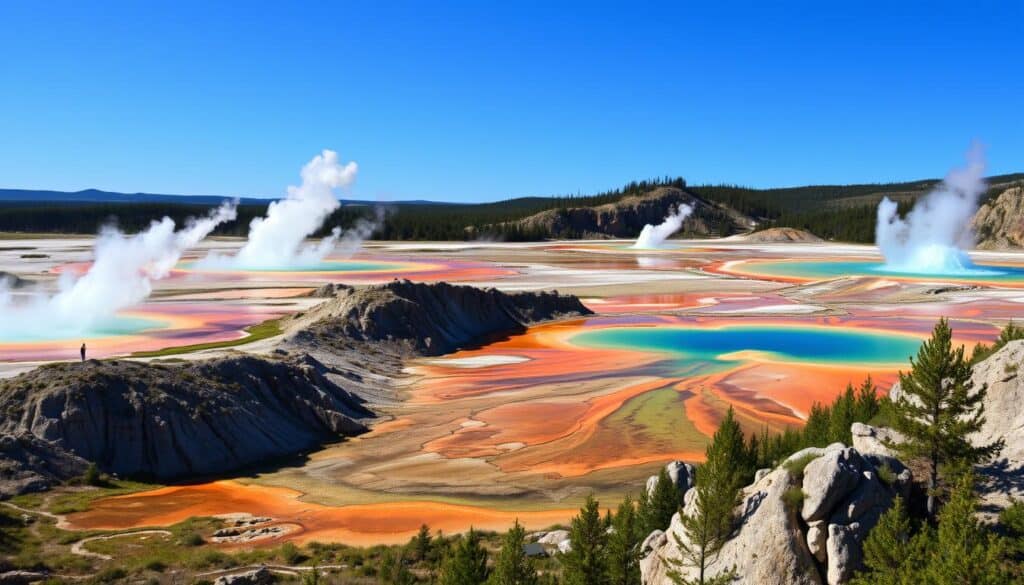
pixel 809 270
pixel 362 269
pixel 527 426
pixel 151 327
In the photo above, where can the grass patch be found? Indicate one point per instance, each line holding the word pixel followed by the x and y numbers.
pixel 264 330
pixel 78 500
pixel 793 498
pixel 796 466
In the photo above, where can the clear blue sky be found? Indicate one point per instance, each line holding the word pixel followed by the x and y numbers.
pixel 485 100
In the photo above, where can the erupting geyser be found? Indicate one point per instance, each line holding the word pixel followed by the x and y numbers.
pixel 277 240
pixel 653 236
pixel 935 236
pixel 123 270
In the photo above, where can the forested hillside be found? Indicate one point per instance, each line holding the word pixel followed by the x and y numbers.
pixel 835 212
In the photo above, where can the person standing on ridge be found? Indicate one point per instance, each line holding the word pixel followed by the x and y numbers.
pixel 83 352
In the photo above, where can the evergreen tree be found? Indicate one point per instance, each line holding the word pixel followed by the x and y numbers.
pixel 466 563
pixel 890 556
pixel 421 544
pixel 707 528
pixel 664 502
pixel 645 513
pixel 841 416
pixel 624 546
pixel 938 409
pixel 867 405
pixel 816 429
pixel 512 566
pixel 586 563
pixel 965 552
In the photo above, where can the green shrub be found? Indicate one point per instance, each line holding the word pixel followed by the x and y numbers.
pixel 192 539
pixel 110 574
pixel 793 498
pixel 796 466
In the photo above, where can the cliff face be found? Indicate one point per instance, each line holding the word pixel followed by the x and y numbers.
pixel 427 319
pixel 999 223
pixel 625 218
pixel 171 421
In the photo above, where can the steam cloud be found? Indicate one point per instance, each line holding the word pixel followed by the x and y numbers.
pixel 278 240
pixel 122 274
pixel 652 237
pixel 934 236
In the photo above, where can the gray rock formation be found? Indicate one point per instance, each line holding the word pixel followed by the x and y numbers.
pixel 782 234
pixel 679 472
pixel 260 576
pixel 172 421
pixel 30 464
pixel 999 222
pixel 844 496
pixel 426 319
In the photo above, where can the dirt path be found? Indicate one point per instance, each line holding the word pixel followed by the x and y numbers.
pixel 78 548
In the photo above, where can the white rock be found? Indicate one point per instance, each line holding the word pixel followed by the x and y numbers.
pixel 828 480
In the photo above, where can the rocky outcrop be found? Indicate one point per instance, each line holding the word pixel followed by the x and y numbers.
pixel 426 319
pixel 31 464
pixel 782 234
pixel 260 576
pixel 681 475
pixel 626 217
pixel 843 495
pixel 999 223
pixel 182 420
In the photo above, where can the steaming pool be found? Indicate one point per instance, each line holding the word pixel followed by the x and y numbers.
pixel 993 274
pixel 358 270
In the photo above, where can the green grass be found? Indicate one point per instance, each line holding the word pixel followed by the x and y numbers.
pixel 71 501
pixel 263 330
pixel 793 498
pixel 796 467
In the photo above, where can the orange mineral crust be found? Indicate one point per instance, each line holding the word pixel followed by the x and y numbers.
pixel 362 525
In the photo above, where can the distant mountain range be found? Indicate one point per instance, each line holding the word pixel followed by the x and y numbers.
pixel 98 196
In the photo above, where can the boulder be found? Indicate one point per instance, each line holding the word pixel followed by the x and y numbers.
pixel 871 440
pixel 260 576
pixel 844 552
pixel 828 480
pixel 554 537
pixel 817 538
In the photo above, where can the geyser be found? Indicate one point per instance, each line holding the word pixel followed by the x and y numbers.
pixel 123 270
pixel 652 237
pixel 277 241
pixel 935 236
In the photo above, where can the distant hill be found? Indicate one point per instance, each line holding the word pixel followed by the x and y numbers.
pixel 833 212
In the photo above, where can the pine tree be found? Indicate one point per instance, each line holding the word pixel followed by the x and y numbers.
pixel 586 562
pixel 938 409
pixel 421 544
pixel 466 563
pixel 708 526
pixel 867 405
pixel 889 553
pixel 624 546
pixel 816 429
pixel 512 566
pixel 841 416
pixel 664 502
pixel 964 551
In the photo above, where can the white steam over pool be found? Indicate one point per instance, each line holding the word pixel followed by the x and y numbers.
pixel 122 274
pixel 935 236
pixel 653 237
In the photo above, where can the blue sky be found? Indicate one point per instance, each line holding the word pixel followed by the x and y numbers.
pixel 473 101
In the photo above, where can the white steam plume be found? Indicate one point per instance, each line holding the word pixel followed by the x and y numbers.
pixel 278 240
pixel 935 236
pixel 122 274
pixel 653 236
